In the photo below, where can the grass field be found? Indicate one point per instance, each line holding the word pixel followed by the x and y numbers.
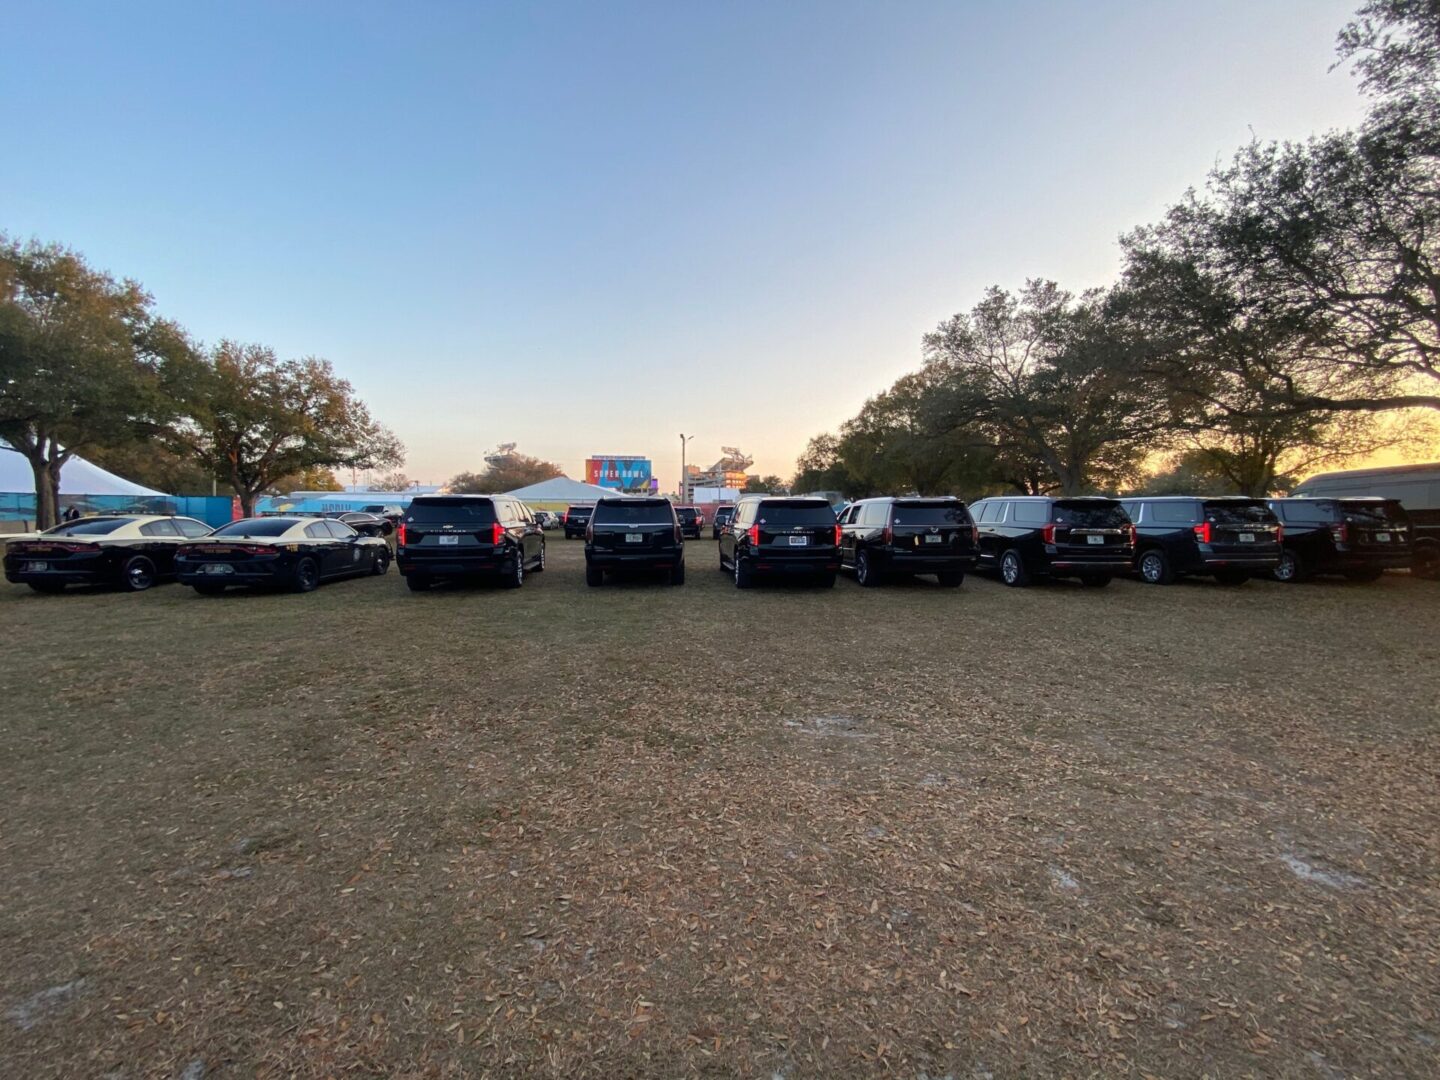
pixel 647 831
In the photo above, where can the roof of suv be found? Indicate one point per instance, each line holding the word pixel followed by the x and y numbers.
pixel 457 495
pixel 1192 498
pixel 1054 498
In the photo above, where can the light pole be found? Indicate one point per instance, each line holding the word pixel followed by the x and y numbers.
pixel 684 476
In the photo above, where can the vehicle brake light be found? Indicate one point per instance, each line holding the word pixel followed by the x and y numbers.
pixel 1203 532
pixel 974 535
pixel 888 536
pixel 497 534
pixel 1130 534
pixel 1279 534
pixel 590 533
pixel 837 535
pixel 400 534
pixel 754 534
pixel 1048 534
pixel 1341 532
pixel 679 539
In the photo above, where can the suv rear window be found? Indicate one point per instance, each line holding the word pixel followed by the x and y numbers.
pixel 725 513
pixel 795 512
pixel 455 511
pixel 936 513
pixel 1089 515
pixel 687 513
pixel 640 512
pixel 1368 513
pixel 579 511
pixel 1238 513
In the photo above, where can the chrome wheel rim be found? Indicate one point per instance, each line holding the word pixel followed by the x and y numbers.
pixel 862 568
pixel 1009 570
pixel 519 568
pixel 1150 568
pixel 1285 568
pixel 138 577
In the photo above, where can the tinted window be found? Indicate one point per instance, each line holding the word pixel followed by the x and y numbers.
pixel 319 531
pixel 1312 513
pixel 1239 513
pixel 340 530
pixel 983 511
pixel 871 514
pixel 579 511
pixel 1133 509
pixel 1373 513
pixel 158 528
pixel 455 511
pixel 936 513
pixel 1172 513
pixel 1091 515
pixel 795 512
pixel 256 527
pixel 640 512
pixel 1030 513
pixel 687 513
pixel 88 527
pixel 190 527
pixel 724 514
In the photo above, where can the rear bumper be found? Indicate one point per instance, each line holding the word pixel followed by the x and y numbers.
pixel 785 565
pixel 451 565
pixel 908 562
pixel 1210 564
pixel 1366 560
pixel 1087 566
pixel 248 575
pixel 659 560
pixel 17 576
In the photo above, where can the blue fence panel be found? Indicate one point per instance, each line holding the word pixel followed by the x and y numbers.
pixel 214 510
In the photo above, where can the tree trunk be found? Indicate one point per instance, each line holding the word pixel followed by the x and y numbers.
pixel 247 501
pixel 47 492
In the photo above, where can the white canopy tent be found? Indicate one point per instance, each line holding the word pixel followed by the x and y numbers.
pixel 77 477
pixel 560 489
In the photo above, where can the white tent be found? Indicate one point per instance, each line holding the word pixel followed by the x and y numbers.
pixel 77 477
pixel 560 489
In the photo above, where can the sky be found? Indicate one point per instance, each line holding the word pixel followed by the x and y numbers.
pixel 588 227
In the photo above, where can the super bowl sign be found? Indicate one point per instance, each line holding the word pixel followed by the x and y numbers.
pixel 619 473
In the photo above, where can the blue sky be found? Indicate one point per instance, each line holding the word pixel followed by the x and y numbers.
pixel 587 227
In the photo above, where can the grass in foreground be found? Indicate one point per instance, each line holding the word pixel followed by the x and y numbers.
pixel 641 830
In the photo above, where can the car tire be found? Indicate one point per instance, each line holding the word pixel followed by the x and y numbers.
pixel 306 577
pixel 744 576
pixel 381 566
pixel 540 562
pixel 1012 570
pixel 1232 577
pixel 209 588
pixel 1373 573
pixel 1425 563
pixel 1095 581
pixel 49 588
pixel 417 582
pixel 1154 566
pixel 952 579
pixel 677 575
pixel 865 573
pixel 515 576
pixel 138 574
pixel 594 575
pixel 1291 569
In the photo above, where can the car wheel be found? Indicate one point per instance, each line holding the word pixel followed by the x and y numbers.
pixel 49 588
pixel 677 575
pixel 1290 569
pixel 594 575
pixel 540 564
pixel 515 576
pixel 209 588
pixel 307 575
pixel 417 582
pixel 1232 577
pixel 1095 581
pixel 1426 562
pixel 381 565
pixel 1373 573
pixel 1155 568
pixel 743 576
pixel 1012 570
pixel 865 574
pixel 952 579
pixel 721 551
pixel 139 574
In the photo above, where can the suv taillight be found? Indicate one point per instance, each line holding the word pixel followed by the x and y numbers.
pixel 1048 534
pixel 1131 534
pixel 1202 532
pixel 497 534
pixel 679 539
pixel 754 534
pixel 400 534
pixel 974 535
pixel 590 532
pixel 837 534
pixel 1279 534
pixel 888 536
pixel 1341 532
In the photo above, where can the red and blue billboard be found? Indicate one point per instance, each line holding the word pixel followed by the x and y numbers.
pixel 619 472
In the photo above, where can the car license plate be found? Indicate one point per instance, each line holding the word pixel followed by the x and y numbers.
pixel 1383 538
pixel 449 541
pixel 217 568
pixel 1094 539
pixel 634 538
pixel 799 541
pixel 1247 538
pixel 934 539
pixel 37 566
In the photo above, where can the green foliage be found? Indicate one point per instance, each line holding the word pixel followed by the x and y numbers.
pixel 765 485
pixel 507 474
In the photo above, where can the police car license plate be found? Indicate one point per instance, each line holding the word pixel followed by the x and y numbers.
pixel 37 566
pixel 217 568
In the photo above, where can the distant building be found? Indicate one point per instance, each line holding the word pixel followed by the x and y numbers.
pixel 728 472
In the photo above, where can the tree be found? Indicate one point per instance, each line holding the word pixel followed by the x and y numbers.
pixel 1396 47
pixel 255 419
pixel 84 361
pixel 818 468
pixel 392 481
pixel 764 485
pixel 315 478
pixel 505 474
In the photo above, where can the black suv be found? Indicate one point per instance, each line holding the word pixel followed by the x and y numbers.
pixel 692 522
pixel 467 536
pixel 723 516
pixel 633 534
pixel 1231 538
pixel 1359 538
pixel 1032 537
pixel 576 519
pixel 880 537
pixel 781 536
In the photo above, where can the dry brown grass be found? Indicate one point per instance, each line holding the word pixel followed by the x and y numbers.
pixel 649 831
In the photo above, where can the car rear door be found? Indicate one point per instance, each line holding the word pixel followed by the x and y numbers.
pixel 1091 528
pixel 437 528
pixel 1239 528
pixel 638 527
pixel 795 528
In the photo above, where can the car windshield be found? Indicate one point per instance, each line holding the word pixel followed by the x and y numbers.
pixel 795 512
pixel 1388 512
pixel 1240 513
pixel 1091 515
pixel 454 511
pixel 936 513
pixel 646 512
pixel 91 527
pixel 255 527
